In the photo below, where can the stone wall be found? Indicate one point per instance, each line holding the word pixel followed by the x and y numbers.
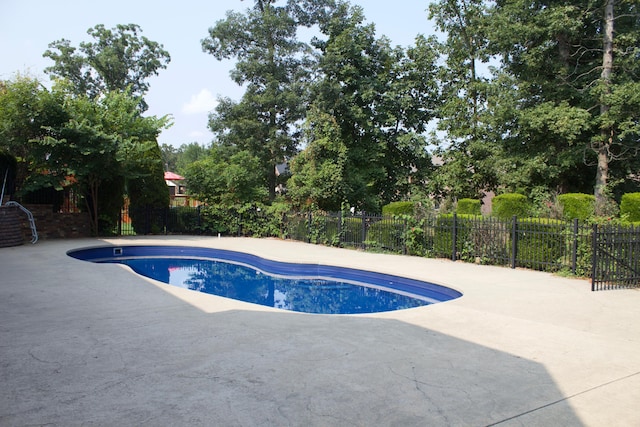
pixel 54 225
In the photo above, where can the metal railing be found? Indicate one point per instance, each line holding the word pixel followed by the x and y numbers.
pixel 32 223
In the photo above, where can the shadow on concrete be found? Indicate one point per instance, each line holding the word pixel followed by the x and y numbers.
pixel 94 345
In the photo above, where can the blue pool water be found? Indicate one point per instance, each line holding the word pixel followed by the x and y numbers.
pixel 309 288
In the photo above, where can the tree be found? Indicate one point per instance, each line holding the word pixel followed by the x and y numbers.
pixel 169 157
pixel 576 82
pixel 187 154
pixel 469 147
pixel 371 104
pixel 319 172
pixel 28 113
pixel 104 141
pixel 226 178
pixel 273 66
pixel 118 59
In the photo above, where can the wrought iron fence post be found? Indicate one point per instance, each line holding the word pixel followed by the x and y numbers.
pixel 574 255
pixel 120 221
pixel 404 236
pixel 340 229
pixel 594 256
pixel 309 218
pixel 514 241
pixel 454 238
pixel 364 231
pixel 166 219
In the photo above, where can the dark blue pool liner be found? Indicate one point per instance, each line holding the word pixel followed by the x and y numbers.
pixel 397 283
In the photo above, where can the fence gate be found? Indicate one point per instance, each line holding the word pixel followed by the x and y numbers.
pixel 616 257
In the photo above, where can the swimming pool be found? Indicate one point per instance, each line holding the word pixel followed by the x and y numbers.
pixel 310 288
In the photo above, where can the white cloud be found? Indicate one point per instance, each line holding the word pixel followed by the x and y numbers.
pixel 202 102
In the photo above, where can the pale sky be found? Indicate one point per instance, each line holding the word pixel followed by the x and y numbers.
pixel 188 87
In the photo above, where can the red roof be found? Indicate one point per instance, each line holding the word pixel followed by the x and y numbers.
pixel 170 176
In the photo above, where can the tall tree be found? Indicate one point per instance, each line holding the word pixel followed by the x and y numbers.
pixel 105 141
pixel 118 59
pixel 371 104
pixel 273 66
pixel 576 81
pixel 468 146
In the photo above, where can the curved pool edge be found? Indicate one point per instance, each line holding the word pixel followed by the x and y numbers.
pixel 432 292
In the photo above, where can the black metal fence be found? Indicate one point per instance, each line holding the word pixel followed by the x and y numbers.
pixel 616 257
pixel 609 255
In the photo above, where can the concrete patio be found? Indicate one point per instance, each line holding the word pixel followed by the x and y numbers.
pixel 94 344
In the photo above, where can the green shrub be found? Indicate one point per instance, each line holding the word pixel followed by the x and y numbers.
pixel 148 195
pixel 398 208
pixel 443 236
pixel 468 207
pixel 541 243
pixel 352 230
pixel 386 234
pixel 630 206
pixel 577 205
pixel 507 205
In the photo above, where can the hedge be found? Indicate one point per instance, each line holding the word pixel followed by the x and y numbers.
pixel 630 207
pixel 505 206
pixel 577 205
pixel 398 208
pixel 468 207
pixel 543 242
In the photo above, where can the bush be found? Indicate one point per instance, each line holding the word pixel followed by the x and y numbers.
pixel 507 205
pixel 398 208
pixel 443 236
pixel 386 234
pixel 149 193
pixel 630 206
pixel 541 243
pixel 183 219
pixel 468 207
pixel 352 230
pixel 577 205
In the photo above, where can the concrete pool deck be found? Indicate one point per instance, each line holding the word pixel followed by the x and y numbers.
pixel 90 344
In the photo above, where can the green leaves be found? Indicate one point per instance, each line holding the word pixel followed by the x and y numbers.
pixel 117 59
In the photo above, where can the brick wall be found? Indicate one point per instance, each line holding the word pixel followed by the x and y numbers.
pixel 54 225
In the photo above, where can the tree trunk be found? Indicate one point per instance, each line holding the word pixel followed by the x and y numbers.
pixel 606 134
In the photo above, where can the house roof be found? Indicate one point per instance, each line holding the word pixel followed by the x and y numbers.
pixel 170 176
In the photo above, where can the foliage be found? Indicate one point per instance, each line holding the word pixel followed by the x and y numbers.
pixel 371 104
pixel 469 146
pixel 8 166
pixel 573 77
pixel 319 173
pixel 118 59
pixel 398 208
pixel 226 178
pixel 28 114
pixel 540 242
pixel 505 206
pixel 468 207
pixel 577 205
pixel 273 66
pixel 387 235
pixel 147 191
pixel 630 207
pixel 443 234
